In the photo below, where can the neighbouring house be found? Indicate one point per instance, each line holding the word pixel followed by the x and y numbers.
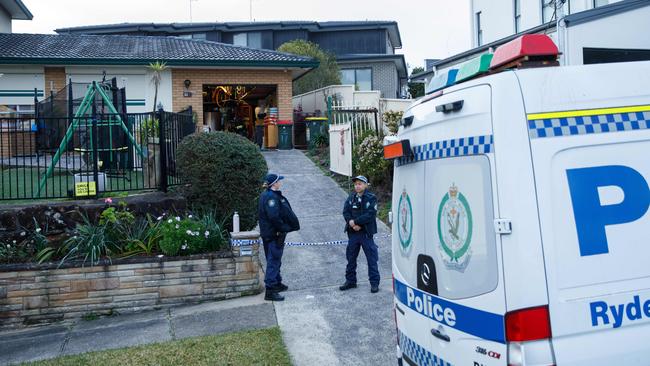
pixel 221 82
pixel 12 10
pixel 588 31
pixel 365 50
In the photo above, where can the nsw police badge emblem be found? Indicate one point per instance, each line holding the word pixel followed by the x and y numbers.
pixel 405 221
pixel 455 229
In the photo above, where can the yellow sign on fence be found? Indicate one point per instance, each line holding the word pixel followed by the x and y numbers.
pixel 85 189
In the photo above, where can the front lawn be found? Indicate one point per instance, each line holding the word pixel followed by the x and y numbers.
pixel 258 347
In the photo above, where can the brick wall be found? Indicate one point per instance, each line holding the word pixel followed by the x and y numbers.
pixel 198 77
pixel 48 295
pixel 384 76
pixel 56 75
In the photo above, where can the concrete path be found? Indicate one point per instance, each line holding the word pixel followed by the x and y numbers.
pixel 320 324
pixel 135 329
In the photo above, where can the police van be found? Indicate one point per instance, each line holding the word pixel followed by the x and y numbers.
pixel 521 232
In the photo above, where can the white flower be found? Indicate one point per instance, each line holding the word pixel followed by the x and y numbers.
pixel 188 232
pixel 170 221
pixel 177 226
pixel 160 255
pixel 8 246
pixel 38 230
pixel 159 218
pixel 196 233
pixel 14 242
pixel 207 233
pixel 23 233
pixel 190 216
pixel 178 218
pixel 184 247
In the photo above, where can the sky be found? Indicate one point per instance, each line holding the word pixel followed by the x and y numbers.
pixel 429 28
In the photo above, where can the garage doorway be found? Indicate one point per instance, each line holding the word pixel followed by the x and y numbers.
pixel 237 108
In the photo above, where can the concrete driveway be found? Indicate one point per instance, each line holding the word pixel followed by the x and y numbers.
pixel 320 324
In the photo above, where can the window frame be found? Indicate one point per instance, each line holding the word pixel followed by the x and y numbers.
pixel 355 70
pixel 517 15
pixel 547 4
pixel 595 5
pixel 479 30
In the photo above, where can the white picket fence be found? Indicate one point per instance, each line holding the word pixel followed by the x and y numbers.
pixel 348 123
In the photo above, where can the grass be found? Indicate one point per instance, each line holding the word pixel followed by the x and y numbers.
pixel 258 347
pixel 21 184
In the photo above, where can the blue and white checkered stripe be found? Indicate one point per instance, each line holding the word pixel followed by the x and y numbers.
pixel 475 145
pixel 419 354
pixel 585 125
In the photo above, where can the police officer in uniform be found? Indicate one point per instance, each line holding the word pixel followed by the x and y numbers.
pixel 276 220
pixel 360 213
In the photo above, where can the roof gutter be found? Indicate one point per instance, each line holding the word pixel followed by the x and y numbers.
pixel 124 62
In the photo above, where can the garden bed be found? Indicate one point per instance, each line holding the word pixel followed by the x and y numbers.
pixel 44 293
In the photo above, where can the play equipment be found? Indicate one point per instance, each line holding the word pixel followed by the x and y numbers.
pixel 91 147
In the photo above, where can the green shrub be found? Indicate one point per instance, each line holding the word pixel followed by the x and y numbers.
pixel 191 235
pixel 141 238
pixel 369 159
pixel 391 120
pixel 224 173
pixel 90 243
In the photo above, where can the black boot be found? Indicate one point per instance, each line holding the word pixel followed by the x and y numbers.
pixel 273 295
pixel 347 285
pixel 281 287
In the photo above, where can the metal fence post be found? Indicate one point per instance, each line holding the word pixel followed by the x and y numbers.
pixel 95 141
pixel 163 150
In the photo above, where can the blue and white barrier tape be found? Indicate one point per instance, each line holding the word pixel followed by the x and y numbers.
pixel 244 242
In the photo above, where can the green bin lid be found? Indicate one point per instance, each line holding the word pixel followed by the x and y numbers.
pixel 476 66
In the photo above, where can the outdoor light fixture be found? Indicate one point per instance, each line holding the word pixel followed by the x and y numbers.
pixel 187 93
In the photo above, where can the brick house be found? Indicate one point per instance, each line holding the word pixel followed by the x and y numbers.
pixel 197 73
pixel 364 50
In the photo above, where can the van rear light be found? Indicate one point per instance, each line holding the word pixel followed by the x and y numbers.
pixel 528 332
pixel 528 324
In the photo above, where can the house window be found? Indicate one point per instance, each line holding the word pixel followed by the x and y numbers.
pixel 19 110
pixel 250 39
pixel 360 78
pixel 548 10
pixel 185 36
pixel 479 30
pixel 598 3
pixel 200 36
pixel 517 16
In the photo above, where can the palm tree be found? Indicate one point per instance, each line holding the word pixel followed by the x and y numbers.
pixel 156 69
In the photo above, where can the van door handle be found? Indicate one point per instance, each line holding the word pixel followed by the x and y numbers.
pixel 399 309
pixel 438 334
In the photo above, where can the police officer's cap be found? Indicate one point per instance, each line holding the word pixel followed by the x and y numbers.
pixel 360 178
pixel 271 179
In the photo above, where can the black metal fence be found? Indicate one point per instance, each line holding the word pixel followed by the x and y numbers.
pixel 50 157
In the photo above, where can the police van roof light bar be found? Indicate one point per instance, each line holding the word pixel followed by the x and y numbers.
pixel 525 51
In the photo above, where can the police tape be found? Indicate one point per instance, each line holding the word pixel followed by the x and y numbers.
pixel 246 242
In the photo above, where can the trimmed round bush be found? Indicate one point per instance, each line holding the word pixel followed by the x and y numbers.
pixel 224 173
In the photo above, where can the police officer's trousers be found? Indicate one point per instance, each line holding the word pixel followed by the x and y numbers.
pixel 273 250
pixel 355 243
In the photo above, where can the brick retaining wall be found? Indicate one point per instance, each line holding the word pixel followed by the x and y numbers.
pixel 42 295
